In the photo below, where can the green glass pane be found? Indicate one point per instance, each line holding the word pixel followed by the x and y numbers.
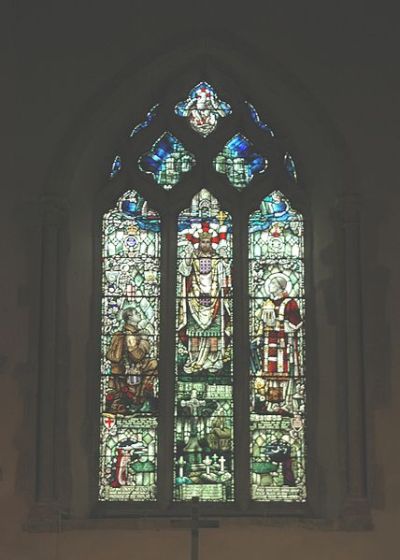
pixel 166 161
pixel 239 161
pixel 203 436
pixel 129 351
pixel 277 353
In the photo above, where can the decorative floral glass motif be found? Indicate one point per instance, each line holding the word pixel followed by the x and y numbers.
pixel 277 383
pixel 239 162
pixel 116 167
pixel 129 351
pixel 167 161
pixel 254 116
pixel 203 109
pixel 290 166
pixel 203 384
pixel 147 121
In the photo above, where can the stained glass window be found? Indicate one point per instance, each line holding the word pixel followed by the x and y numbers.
pixel 239 161
pixel 129 362
pixel 277 384
pixel 203 391
pixel 203 109
pixel 167 161
pixel 202 428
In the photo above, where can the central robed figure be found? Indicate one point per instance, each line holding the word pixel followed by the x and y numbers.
pixel 204 308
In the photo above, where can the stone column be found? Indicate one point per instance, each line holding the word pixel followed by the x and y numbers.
pixel 355 513
pixel 45 514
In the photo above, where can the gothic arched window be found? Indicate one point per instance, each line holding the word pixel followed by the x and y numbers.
pixel 203 315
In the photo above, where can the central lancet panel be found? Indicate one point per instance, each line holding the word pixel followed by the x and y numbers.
pixel 203 435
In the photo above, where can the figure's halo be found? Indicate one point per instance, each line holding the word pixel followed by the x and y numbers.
pixel 274 275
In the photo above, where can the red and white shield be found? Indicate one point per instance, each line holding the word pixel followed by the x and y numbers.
pixel 108 421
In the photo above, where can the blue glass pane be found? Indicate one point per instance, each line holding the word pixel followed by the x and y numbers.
pixel 148 120
pixel 290 166
pixel 203 108
pixel 239 161
pixel 116 166
pixel 254 116
pixel 274 208
pixel 167 161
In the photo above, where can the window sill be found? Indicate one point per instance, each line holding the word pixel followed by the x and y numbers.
pixel 174 523
pixel 47 518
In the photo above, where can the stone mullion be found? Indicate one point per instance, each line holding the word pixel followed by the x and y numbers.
pixel 241 360
pixel 167 359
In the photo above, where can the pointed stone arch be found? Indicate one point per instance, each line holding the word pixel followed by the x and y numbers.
pixel 77 184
